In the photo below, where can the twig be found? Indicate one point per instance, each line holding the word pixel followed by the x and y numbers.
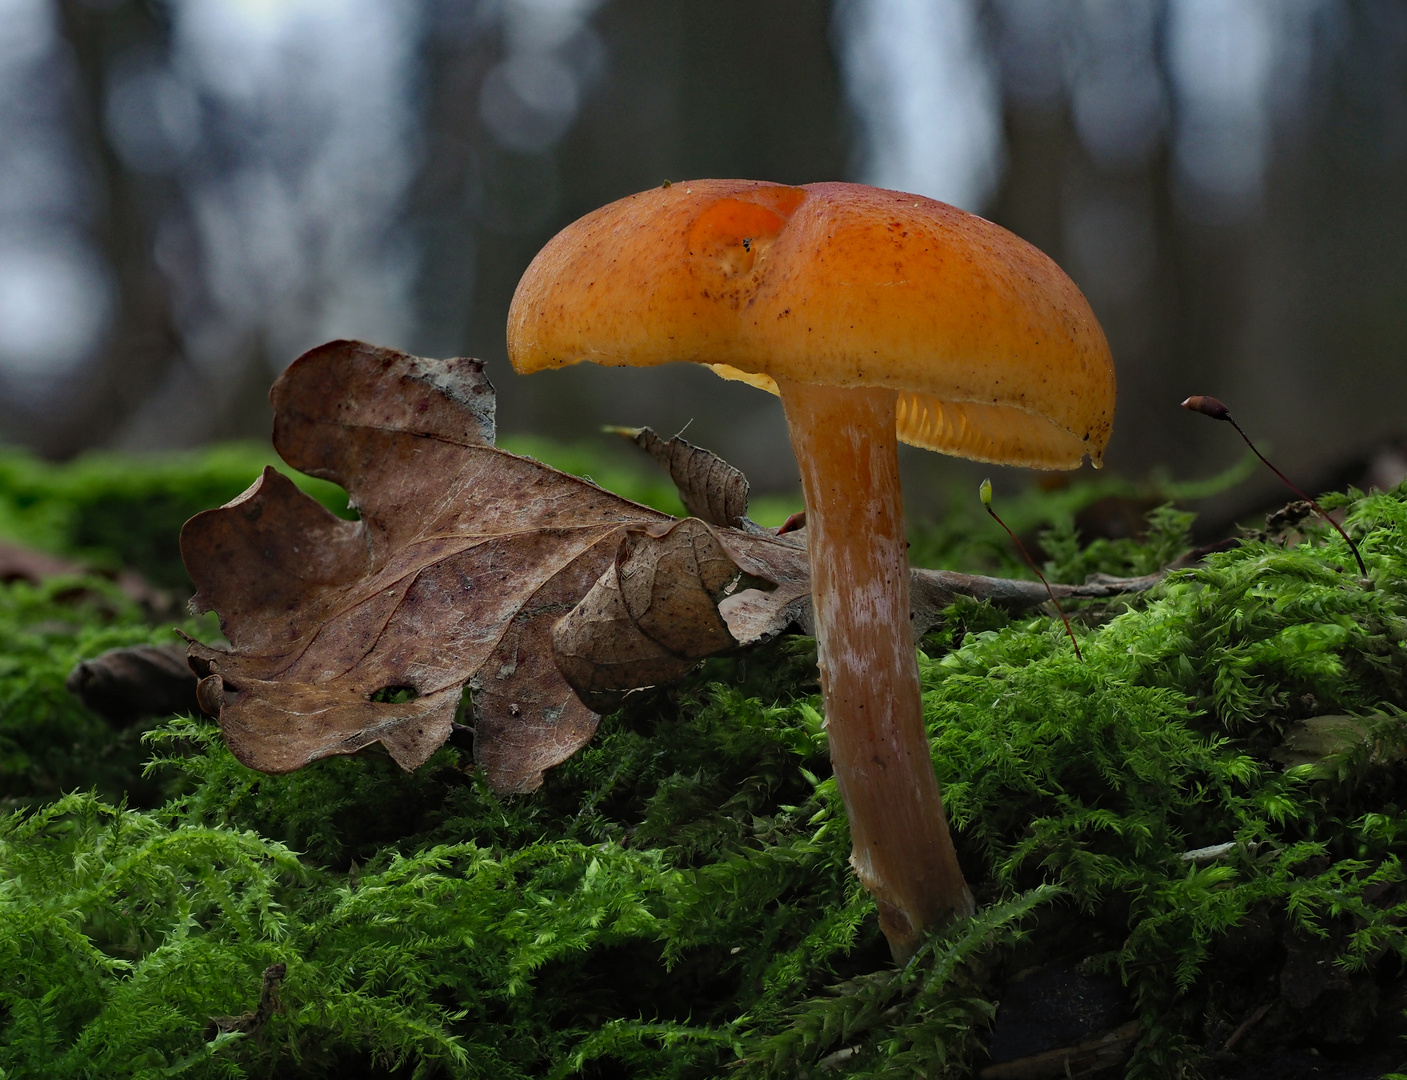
pixel 251 1021
pixel 1101 1053
pixel 986 493
pixel 1246 1025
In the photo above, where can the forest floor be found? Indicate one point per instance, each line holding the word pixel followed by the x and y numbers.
pixel 1186 847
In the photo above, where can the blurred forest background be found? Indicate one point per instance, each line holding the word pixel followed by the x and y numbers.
pixel 194 191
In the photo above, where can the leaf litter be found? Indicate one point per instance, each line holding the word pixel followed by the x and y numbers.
pixel 463 557
pixel 544 595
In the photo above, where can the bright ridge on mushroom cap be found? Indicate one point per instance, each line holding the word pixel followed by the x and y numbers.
pixel 995 352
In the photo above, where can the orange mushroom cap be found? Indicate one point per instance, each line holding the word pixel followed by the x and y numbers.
pixel 994 351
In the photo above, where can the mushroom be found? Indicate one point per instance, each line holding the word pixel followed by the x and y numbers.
pixel 877 316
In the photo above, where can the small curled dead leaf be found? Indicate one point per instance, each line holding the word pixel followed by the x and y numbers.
pixel 651 616
pixel 126 685
pixel 710 488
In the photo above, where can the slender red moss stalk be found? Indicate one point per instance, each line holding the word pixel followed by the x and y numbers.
pixel 986 492
pixel 1210 406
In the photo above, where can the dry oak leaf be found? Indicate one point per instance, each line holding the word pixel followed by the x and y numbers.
pixel 464 557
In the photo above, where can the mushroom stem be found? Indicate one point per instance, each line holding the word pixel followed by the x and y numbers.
pixel 844 440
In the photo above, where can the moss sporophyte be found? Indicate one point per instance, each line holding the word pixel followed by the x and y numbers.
pixel 1217 410
pixel 984 492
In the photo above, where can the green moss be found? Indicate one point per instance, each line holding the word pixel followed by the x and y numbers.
pixel 675 901
pixel 626 471
pixel 49 743
pixel 120 511
pixel 965 538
